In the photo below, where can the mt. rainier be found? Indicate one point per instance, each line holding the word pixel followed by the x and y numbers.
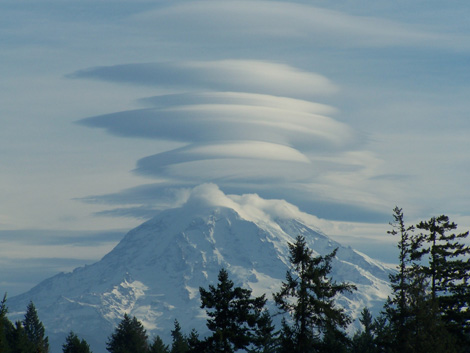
pixel 155 272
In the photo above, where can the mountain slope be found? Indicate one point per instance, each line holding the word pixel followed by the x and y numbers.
pixel 155 272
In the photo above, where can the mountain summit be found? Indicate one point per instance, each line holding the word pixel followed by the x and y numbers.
pixel 155 272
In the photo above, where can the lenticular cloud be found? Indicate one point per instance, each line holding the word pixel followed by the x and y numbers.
pixel 224 75
pixel 245 125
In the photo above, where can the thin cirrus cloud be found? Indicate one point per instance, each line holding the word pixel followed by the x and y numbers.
pixel 243 126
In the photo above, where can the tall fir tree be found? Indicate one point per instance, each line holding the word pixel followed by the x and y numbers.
pixel 406 286
pixel 383 335
pixel 334 341
pixel 364 341
pixel 447 265
pixel 194 342
pixel 130 336
pixel 264 338
pixel 407 247
pixel 308 296
pixel 158 346
pixel 5 326
pixel 74 345
pixel 18 339
pixel 233 315
pixel 414 319
pixel 180 343
pixel 35 331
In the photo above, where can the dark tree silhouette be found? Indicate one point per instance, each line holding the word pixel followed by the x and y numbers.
pixel 34 330
pixel 74 345
pixel 233 315
pixel 130 336
pixel 158 346
pixel 308 296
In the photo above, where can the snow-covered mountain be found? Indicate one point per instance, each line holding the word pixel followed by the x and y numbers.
pixel 155 272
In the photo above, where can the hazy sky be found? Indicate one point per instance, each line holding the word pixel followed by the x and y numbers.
pixel 111 110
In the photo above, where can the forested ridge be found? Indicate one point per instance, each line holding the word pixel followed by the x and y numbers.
pixel 428 310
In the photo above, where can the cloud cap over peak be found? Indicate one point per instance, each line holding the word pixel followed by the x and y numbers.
pixel 250 206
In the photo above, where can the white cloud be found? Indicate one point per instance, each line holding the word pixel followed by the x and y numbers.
pixel 202 116
pixel 217 122
pixel 235 98
pixel 239 139
pixel 251 206
pixel 249 150
pixel 264 76
pixel 251 76
pixel 225 22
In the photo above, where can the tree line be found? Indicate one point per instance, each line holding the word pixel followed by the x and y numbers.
pixel 428 309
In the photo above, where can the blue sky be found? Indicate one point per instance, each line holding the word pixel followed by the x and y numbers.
pixel 111 110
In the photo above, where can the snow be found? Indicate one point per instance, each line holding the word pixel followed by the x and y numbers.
pixel 155 272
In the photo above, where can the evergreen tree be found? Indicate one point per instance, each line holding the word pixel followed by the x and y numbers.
pixel 158 346
pixel 412 312
pixel 286 338
pixel 308 297
pixel 74 345
pixel 447 266
pixel 383 335
pixel 34 330
pixel 18 340
pixel 129 337
pixel 194 343
pixel 263 337
pixel 4 326
pixel 400 282
pixel 407 288
pixel 334 341
pixel 426 332
pixel 365 340
pixel 233 315
pixel 180 344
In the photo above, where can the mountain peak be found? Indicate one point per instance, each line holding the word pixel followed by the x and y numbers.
pixel 156 270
